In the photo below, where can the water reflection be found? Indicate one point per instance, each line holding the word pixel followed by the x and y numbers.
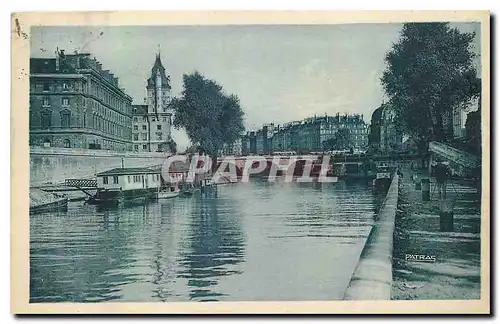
pixel 163 273
pixel 73 264
pixel 245 241
pixel 214 248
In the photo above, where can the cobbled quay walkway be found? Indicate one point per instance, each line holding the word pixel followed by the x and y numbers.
pixel 455 274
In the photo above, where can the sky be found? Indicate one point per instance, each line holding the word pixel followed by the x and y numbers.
pixel 280 73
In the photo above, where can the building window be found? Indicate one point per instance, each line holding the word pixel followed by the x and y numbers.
pixel 159 135
pixel 65 86
pixel 65 119
pixel 46 86
pixel 46 120
pixel 164 119
pixel 144 136
pixel 158 127
pixel 67 143
pixel 128 179
pixel 136 137
pixel 105 180
pixel 136 147
pixel 65 102
pixel 144 147
pixel 144 127
pixel 46 102
pixel 136 127
pixel 135 119
pixel 38 87
pixel 115 179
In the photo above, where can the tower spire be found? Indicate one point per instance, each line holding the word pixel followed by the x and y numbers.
pixel 159 50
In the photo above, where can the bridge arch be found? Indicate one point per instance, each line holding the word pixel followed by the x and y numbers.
pixel 267 171
pixel 298 167
pixel 228 167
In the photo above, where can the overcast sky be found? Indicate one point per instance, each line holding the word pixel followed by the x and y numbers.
pixel 280 73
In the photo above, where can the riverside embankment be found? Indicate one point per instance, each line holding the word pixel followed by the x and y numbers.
pixel 448 265
pixel 372 278
pixel 54 165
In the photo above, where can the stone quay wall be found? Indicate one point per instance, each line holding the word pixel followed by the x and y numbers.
pixel 54 165
pixel 372 279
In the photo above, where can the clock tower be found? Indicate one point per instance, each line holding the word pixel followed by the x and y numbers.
pixel 159 115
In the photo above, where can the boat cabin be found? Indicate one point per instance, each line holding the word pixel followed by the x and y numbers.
pixel 128 179
pixel 180 172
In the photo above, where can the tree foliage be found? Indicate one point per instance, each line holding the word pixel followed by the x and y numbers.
pixel 429 72
pixel 172 146
pixel 473 132
pixel 210 117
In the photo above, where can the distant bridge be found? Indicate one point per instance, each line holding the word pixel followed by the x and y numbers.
pixel 296 164
pixel 284 164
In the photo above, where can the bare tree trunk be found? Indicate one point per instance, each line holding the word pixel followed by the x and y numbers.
pixel 422 150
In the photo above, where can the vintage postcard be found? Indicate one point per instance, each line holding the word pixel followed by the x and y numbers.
pixel 251 162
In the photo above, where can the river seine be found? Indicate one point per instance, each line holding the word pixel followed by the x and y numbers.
pixel 255 241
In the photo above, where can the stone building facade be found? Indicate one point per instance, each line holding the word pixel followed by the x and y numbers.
pixel 308 135
pixel 358 130
pixel 151 129
pixel 384 136
pixel 235 148
pixel 75 103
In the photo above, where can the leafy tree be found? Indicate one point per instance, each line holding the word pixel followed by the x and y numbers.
pixel 172 146
pixel 429 72
pixel 192 149
pixel 168 146
pixel 210 117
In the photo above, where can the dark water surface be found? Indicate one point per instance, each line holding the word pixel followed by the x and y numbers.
pixel 247 241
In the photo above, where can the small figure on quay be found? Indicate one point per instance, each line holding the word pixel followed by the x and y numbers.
pixel 442 173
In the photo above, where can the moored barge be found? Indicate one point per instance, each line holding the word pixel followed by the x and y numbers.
pixel 121 185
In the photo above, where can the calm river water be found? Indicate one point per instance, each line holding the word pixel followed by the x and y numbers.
pixel 247 241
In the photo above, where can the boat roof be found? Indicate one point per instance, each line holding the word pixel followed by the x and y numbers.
pixel 127 171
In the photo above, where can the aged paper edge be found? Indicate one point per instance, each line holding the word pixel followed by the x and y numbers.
pixel 20 31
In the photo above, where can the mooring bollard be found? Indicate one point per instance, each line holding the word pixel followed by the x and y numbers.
pixel 426 190
pixel 445 216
